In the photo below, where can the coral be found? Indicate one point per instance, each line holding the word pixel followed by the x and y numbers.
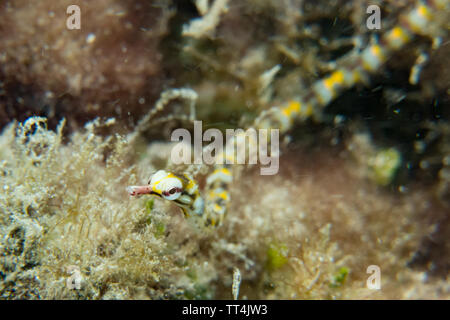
pixel 62 205
pixel 65 206
pixel 364 182
pixel 109 67
pixel 202 26
pixel 329 224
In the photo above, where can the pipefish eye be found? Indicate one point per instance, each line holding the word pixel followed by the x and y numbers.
pixel 172 194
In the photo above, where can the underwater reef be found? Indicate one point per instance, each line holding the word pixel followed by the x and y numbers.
pixel 364 176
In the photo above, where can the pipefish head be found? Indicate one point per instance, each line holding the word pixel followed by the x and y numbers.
pixel 162 184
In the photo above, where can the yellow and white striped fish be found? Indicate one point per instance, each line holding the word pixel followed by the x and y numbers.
pixel 183 190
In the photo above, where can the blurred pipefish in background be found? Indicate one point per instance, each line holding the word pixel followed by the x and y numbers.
pixel 359 91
